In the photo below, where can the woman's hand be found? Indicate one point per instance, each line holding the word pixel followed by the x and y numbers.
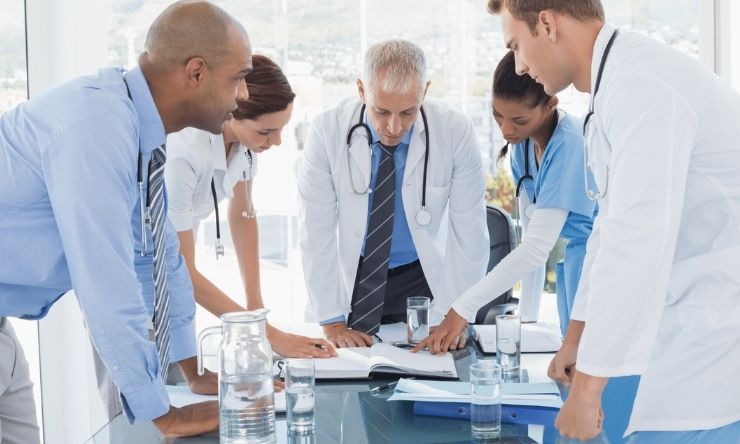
pixel 295 346
pixel 451 334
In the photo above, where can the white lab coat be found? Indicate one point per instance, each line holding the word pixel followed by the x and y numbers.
pixel 660 291
pixel 194 157
pixel 453 249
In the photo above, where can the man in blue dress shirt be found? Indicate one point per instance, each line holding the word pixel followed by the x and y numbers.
pixel 391 192
pixel 70 215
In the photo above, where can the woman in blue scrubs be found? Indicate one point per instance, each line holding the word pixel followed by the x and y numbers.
pixel 547 164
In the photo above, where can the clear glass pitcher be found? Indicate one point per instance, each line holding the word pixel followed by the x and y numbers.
pixel 246 401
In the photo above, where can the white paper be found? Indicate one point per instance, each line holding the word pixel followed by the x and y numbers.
pixel 358 362
pixel 542 394
pixel 181 396
pixel 536 338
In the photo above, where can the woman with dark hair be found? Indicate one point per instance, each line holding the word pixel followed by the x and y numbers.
pixel 204 168
pixel 547 164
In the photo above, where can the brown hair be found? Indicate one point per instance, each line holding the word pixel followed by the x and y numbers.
pixel 529 10
pixel 269 90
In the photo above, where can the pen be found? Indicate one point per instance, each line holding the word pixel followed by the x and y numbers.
pixel 384 387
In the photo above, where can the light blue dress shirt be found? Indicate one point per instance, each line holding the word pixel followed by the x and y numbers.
pixel 69 219
pixel 403 250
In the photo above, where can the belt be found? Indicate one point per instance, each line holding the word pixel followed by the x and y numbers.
pixel 404 267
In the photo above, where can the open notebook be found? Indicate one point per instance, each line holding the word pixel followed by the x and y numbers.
pixel 359 362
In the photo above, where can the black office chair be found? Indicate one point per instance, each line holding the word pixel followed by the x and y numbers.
pixel 502 235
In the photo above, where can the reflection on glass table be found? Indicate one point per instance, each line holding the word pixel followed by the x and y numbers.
pixel 347 412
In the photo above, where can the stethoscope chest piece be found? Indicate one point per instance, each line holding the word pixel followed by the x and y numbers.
pixel 423 217
pixel 529 211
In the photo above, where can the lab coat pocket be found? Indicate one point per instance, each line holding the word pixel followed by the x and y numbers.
pixel 705 291
pixel 437 199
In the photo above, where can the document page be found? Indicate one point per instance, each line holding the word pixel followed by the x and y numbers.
pixel 388 359
pixel 352 362
pixel 181 396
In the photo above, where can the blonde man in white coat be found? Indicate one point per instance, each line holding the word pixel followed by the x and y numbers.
pixel 660 292
pixel 372 233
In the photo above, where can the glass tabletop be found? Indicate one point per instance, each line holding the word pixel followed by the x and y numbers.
pixel 347 412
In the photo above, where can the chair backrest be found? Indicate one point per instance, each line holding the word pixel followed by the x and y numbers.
pixel 502 236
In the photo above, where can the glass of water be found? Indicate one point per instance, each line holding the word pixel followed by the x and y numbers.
pixel 508 343
pixel 417 318
pixel 300 395
pixel 485 400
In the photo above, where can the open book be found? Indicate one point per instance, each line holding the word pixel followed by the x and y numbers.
pixel 359 362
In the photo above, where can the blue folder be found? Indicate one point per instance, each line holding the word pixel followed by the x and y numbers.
pixel 512 414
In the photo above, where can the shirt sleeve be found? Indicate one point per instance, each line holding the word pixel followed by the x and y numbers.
pixel 532 282
pixel 92 193
pixel 180 179
pixel 544 230
pixel 468 248
pixel 318 237
pixel 650 130
pixel 561 179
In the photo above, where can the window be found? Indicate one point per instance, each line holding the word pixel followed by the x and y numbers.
pixel 13 91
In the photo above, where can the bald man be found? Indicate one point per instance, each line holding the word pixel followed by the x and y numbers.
pixel 77 164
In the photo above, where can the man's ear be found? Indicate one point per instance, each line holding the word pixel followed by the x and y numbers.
pixel 426 88
pixel 361 90
pixel 548 24
pixel 196 70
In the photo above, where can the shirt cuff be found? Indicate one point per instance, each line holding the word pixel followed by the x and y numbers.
pixel 182 221
pixel 182 342
pixel 333 320
pixel 147 403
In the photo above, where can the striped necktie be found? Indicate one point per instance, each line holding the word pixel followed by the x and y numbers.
pixel 367 301
pixel 161 295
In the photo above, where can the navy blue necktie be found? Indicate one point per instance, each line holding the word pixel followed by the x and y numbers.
pixel 367 302
pixel 161 295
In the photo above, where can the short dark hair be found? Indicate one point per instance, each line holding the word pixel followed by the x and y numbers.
pixel 269 90
pixel 529 10
pixel 508 85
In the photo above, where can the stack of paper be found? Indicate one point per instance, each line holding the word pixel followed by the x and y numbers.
pixel 536 338
pixel 181 396
pixel 541 395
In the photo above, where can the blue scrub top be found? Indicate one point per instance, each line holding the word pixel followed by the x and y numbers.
pixel 559 180
pixel 559 183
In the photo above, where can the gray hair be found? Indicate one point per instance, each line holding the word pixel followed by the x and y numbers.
pixel 395 66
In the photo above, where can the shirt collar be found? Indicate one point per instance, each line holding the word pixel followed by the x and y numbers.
pixel 151 128
pixel 376 138
pixel 599 47
pixel 218 151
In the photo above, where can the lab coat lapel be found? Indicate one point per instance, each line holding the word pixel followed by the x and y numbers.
pixel 359 153
pixel 417 146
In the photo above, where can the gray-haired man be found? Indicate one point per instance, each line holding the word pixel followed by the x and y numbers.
pixel 391 195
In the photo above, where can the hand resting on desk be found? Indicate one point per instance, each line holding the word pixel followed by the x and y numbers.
pixel 191 420
pixel 342 336
pixel 451 334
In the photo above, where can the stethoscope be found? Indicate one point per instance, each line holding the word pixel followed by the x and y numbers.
pixel 248 214
pixel 423 216
pixel 586 165
pixel 144 197
pixel 529 209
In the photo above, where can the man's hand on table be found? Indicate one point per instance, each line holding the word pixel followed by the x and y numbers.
pixel 342 336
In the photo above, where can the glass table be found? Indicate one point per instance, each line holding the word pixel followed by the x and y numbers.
pixel 347 412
